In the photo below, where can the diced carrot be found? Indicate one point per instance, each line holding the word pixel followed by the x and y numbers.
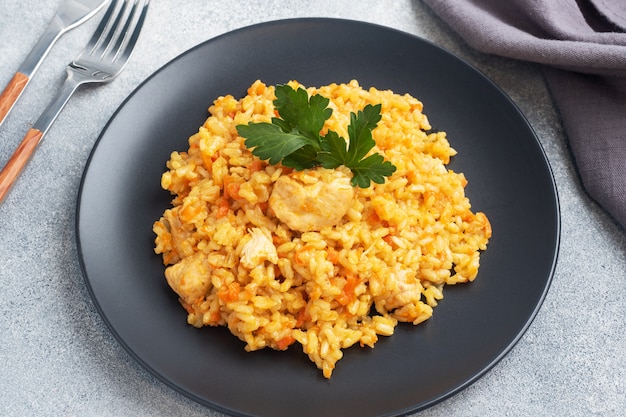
pixel 215 318
pixel 189 212
pixel 373 218
pixel 230 293
pixel 256 165
pixel 233 190
pixel 303 317
pixel 207 161
pixel 283 343
pixel 351 282
pixel 257 88
pixel 333 255
pixel 342 299
pixel 222 208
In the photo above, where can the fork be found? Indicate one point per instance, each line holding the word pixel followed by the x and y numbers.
pixel 70 14
pixel 104 57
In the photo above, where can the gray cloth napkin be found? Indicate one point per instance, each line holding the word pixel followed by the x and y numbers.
pixel 582 45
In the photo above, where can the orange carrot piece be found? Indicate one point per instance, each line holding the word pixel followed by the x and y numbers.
pixel 256 165
pixel 230 293
pixel 333 255
pixel 284 343
pixel 222 208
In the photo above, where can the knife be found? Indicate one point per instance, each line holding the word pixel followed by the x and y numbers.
pixel 70 14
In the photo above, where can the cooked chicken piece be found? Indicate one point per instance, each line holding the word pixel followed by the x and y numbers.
pixel 409 290
pixel 258 249
pixel 403 298
pixel 190 278
pixel 310 200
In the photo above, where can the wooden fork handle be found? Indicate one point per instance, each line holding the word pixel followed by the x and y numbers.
pixel 11 93
pixel 18 161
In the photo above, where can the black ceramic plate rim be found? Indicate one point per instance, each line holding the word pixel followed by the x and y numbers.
pixel 233 408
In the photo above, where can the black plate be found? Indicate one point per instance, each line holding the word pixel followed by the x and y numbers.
pixel 472 328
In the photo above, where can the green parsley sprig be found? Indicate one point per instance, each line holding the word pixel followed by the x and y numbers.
pixel 294 139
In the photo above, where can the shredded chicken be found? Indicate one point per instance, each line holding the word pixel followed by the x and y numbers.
pixel 313 199
pixel 258 249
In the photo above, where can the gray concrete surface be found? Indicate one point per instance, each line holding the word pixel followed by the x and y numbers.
pixel 57 357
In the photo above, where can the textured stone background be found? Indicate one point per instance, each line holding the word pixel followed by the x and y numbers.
pixel 58 358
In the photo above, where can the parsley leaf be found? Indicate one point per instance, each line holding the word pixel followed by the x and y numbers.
pixel 374 167
pixel 294 138
pixel 303 158
pixel 270 142
pixel 301 113
pixel 360 131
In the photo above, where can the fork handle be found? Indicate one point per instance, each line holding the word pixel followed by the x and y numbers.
pixel 35 134
pixel 18 161
pixel 11 93
pixel 31 63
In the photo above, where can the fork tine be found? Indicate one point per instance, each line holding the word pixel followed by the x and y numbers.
pixel 130 33
pixel 132 40
pixel 112 31
pixel 103 28
pixel 118 31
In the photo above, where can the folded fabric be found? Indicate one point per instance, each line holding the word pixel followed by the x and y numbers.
pixel 582 45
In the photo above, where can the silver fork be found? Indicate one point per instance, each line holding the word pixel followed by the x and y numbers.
pixel 104 57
